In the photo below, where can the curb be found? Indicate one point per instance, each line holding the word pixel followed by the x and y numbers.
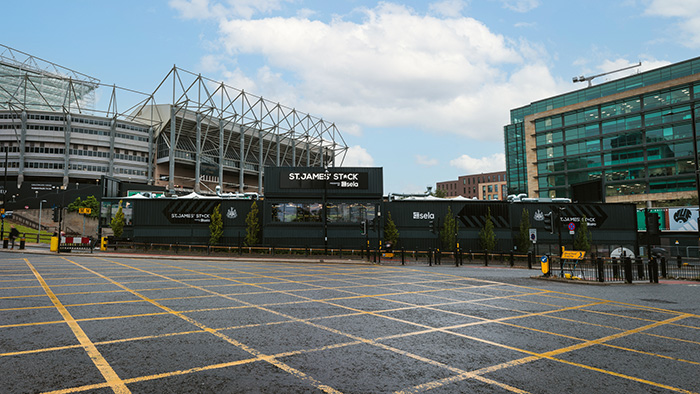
pixel 184 257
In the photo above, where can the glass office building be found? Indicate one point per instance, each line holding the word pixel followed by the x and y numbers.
pixel 637 136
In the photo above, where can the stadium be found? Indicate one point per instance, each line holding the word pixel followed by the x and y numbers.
pixel 62 129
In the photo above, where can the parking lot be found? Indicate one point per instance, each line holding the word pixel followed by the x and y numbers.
pixel 100 323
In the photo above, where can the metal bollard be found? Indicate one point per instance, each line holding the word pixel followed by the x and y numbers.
pixel 601 269
pixel 640 267
pixel 403 252
pixel 679 261
pixel 486 258
pixel 529 260
pixel 628 269
pixel 512 258
pixel 22 241
pixel 663 267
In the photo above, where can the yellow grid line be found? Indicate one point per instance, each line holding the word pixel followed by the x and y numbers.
pixel 226 338
pixel 379 296
pixel 111 377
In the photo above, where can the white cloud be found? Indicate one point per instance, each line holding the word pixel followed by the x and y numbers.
pixel 520 5
pixel 449 8
pixel 438 75
pixel 392 68
pixel 688 14
pixel 194 9
pixel 357 156
pixel 425 161
pixel 470 165
pixel 204 9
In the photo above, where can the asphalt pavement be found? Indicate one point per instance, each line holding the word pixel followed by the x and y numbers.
pixel 81 322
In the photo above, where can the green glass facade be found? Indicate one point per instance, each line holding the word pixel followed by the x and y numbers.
pixel 635 144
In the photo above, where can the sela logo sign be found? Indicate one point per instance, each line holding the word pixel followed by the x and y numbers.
pixel 423 216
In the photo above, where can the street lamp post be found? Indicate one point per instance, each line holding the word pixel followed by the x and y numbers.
pixel 38 231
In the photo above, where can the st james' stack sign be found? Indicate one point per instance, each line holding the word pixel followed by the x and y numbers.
pixel 328 179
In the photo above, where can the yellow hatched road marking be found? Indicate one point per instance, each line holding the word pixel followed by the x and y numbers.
pixel 463 375
pixel 551 356
pixel 111 377
pixel 362 340
pixel 214 332
pixel 535 356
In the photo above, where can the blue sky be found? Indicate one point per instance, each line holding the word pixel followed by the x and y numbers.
pixel 422 89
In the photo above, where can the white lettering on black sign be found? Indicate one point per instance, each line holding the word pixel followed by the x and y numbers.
pixel 423 215
pixel 331 179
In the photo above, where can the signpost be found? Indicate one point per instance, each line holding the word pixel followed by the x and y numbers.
pixel 573 254
pixel 84 211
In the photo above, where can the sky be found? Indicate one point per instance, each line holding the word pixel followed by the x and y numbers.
pixel 422 89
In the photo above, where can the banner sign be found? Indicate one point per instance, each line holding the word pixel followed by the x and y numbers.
pixel 190 211
pixel 324 179
pixel 682 219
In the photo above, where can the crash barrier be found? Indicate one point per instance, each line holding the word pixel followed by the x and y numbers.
pixel 68 244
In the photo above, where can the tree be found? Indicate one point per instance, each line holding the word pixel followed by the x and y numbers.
pixel 448 235
pixel 90 202
pixel 582 239
pixel 487 237
pixel 440 193
pixel 117 223
pixel 523 239
pixel 216 227
pixel 252 224
pixel 391 233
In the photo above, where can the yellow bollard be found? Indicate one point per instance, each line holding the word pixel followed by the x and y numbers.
pixel 54 244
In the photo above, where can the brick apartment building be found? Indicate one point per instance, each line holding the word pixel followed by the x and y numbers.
pixel 485 186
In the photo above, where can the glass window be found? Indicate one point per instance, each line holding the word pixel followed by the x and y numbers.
pixel 672 186
pixel 681 149
pixel 296 212
pixel 548 123
pixel 624 156
pixel 668 133
pixel 621 174
pixel 625 189
pixel 669 97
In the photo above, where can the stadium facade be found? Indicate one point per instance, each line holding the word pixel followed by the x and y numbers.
pixel 633 139
pixel 190 134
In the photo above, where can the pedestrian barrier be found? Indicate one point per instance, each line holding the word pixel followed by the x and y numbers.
pixel 68 244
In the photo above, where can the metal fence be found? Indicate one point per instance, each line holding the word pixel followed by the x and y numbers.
pixel 627 269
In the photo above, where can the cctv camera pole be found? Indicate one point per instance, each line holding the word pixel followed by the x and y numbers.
pixel 695 153
pixel 646 225
pixel 4 195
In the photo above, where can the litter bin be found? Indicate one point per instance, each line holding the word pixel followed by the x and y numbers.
pixel 54 244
